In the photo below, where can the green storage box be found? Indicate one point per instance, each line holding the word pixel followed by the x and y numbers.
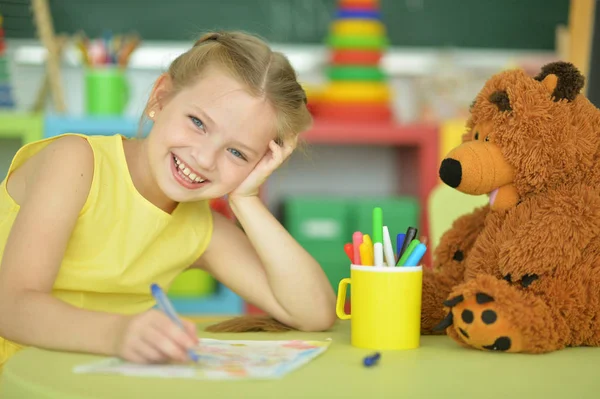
pixel 317 219
pixel 194 283
pixel 332 258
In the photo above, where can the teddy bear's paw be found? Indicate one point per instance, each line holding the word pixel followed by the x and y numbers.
pixel 476 319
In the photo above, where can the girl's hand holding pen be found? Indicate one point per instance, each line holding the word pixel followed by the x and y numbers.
pixel 152 337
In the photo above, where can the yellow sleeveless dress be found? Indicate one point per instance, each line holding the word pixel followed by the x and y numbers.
pixel 121 243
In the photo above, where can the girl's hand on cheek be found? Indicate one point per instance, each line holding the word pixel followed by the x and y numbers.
pixel 274 157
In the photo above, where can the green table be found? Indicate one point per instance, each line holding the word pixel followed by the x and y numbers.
pixel 439 369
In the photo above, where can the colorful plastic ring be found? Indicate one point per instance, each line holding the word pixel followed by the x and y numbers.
pixel 354 111
pixel 357 92
pixel 358 13
pixel 357 42
pixel 349 27
pixel 372 4
pixel 356 57
pixel 356 72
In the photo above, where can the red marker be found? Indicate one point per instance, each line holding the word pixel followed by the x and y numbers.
pixel 348 248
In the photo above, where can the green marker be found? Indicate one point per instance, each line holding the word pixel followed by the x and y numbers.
pixel 406 253
pixel 377 236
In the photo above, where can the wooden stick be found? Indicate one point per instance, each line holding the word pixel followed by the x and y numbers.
pixel 45 31
pixel 40 100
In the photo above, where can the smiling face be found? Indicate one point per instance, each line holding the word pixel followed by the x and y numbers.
pixel 208 137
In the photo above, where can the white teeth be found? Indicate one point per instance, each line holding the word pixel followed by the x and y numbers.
pixel 186 173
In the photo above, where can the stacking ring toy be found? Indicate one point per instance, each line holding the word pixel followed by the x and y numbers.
pixel 357 42
pixel 347 27
pixel 355 72
pixel 354 111
pixel 343 4
pixel 356 57
pixel 345 92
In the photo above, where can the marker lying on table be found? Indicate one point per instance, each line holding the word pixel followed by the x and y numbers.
pixel 165 305
pixel 372 359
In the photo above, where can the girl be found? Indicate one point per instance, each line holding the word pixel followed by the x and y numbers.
pixel 87 223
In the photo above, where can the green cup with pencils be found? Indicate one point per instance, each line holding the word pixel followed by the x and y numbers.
pixel 107 91
pixel 106 60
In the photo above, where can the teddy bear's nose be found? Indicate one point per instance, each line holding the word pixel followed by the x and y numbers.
pixel 451 172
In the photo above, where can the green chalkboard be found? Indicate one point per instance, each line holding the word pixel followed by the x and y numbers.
pixel 509 24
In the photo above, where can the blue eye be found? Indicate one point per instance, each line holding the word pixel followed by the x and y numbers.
pixel 236 153
pixel 197 122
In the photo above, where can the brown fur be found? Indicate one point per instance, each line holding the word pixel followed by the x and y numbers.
pixel 530 262
pixel 530 278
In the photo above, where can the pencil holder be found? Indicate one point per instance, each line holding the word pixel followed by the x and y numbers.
pixel 385 306
pixel 107 91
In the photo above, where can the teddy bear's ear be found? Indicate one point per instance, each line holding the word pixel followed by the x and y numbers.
pixel 561 79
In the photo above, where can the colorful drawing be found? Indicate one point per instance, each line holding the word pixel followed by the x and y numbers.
pixel 223 359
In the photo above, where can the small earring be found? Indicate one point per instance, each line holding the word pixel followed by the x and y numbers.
pixel 151 114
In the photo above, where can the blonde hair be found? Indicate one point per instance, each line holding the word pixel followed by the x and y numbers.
pixel 264 72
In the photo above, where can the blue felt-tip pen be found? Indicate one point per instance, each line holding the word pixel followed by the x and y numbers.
pixel 399 243
pixel 371 359
pixel 164 305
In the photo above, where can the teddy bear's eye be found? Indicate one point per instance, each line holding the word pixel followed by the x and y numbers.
pixel 487 138
pixel 476 135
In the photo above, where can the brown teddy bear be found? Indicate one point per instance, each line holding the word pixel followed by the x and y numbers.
pixel 522 274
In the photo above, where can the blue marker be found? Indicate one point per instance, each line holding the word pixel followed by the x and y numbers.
pixel 165 305
pixel 399 243
pixel 415 256
pixel 371 360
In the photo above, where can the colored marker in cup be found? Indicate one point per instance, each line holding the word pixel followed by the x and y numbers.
pixel 406 253
pixel 349 250
pixel 377 236
pixel 399 244
pixel 369 245
pixel 388 250
pixel 366 254
pixel 415 256
pixel 357 240
pixel 411 234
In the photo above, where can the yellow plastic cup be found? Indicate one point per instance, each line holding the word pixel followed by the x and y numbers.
pixel 385 306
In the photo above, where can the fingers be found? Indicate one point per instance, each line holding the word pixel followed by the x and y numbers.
pixel 191 330
pixel 165 344
pixel 147 353
pixel 281 153
pixel 169 338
